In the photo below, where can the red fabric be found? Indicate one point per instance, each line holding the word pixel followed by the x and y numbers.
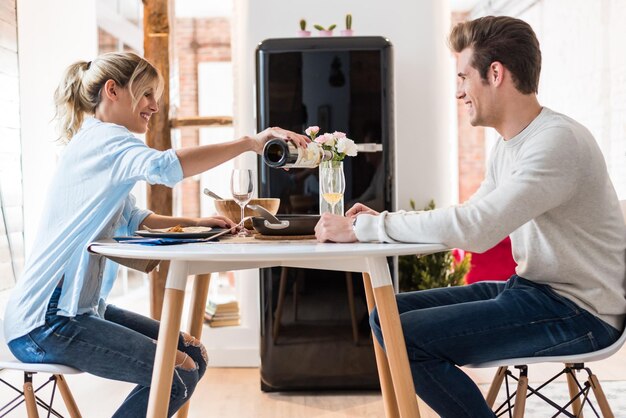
pixel 494 264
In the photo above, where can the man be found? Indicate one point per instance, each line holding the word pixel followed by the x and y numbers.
pixel 547 187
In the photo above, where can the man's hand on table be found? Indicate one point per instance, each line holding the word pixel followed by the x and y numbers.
pixel 337 228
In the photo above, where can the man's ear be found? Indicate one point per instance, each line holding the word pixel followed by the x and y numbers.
pixel 496 73
pixel 111 90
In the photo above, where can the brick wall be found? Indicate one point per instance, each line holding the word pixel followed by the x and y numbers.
pixel 106 42
pixel 471 144
pixel 196 41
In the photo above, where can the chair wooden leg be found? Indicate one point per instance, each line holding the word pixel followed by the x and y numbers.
pixel 350 290
pixel 600 397
pixel 67 396
pixel 195 319
pixel 496 384
pixel 282 288
pixel 573 391
pixel 520 396
pixel 29 396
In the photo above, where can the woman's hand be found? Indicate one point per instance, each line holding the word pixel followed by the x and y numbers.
pixel 217 222
pixel 360 209
pixel 262 137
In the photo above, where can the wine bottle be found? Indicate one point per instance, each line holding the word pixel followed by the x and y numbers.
pixel 279 153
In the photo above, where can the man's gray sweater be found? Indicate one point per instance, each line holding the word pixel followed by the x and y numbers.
pixel 549 189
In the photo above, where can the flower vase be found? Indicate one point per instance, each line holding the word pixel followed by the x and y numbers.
pixel 332 184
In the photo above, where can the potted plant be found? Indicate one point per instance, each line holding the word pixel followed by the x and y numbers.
pixel 432 270
pixel 325 32
pixel 348 30
pixel 303 32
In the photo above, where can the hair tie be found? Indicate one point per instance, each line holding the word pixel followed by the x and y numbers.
pixel 88 64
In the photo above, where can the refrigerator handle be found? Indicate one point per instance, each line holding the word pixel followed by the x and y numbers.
pixel 369 147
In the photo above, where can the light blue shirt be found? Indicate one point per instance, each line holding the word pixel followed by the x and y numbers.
pixel 88 199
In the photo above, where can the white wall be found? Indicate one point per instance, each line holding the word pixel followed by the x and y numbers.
pixel 51 35
pixel 417 30
pixel 583 72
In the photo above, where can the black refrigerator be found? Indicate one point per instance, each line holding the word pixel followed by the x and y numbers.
pixel 315 333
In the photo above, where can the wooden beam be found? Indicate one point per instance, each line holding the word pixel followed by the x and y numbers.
pixel 156 45
pixel 199 121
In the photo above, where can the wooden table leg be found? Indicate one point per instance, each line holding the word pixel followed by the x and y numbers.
pixel 392 333
pixel 195 319
pixel 386 385
pixel 167 343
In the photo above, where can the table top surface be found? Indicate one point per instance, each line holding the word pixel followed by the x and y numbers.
pixel 262 251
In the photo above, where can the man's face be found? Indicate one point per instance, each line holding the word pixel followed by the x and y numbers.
pixel 474 91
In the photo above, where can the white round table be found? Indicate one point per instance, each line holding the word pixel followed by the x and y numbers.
pixel 201 258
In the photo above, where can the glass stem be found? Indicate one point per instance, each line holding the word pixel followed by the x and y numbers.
pixel 242 221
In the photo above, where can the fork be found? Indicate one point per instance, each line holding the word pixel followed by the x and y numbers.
pixel 225 231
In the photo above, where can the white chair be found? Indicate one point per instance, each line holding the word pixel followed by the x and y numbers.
pixel 29 394
pixel 573 364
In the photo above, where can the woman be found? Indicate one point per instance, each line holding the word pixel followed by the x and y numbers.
pixel 56 313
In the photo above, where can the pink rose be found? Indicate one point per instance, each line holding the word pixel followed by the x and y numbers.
pixel 312 130
pixel 327 139
pixel 338 134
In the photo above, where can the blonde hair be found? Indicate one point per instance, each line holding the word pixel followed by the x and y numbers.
pixel 79 92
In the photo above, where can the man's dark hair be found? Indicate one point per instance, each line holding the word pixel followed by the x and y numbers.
pixel 505 39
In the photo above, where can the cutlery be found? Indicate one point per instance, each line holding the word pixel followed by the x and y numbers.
pixel 267 215
pixel 212 194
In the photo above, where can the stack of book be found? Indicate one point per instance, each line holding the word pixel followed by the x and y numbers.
pixel 222 314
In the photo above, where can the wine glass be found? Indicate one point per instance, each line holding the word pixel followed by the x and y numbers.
pixel 241 187
pixel 333 185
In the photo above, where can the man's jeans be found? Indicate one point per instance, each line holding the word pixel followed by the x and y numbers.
pixel 449 327
pixel 120 347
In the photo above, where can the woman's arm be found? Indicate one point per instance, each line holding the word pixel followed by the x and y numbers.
pixel 196 160
pixel 155 221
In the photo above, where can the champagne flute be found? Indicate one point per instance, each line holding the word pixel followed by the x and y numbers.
pixel 333 186
pixel 241 187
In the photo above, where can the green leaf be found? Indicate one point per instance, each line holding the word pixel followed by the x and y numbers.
pixel 319 27
pixel 331 27
pixel 302 24
pixel 432 270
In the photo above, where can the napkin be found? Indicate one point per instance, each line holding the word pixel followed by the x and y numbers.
pixel 157 241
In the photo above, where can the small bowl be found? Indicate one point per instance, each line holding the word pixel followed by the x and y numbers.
pixel 232 210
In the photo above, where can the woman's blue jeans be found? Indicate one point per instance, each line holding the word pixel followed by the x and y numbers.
pixel 122 346
pixel 454 326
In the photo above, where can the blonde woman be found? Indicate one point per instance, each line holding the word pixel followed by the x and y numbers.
pixel 57 313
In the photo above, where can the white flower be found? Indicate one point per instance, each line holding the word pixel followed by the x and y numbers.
pixel 351 150
pixel 346 146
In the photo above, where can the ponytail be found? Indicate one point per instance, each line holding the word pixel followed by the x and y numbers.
pixel 70 101
pixel 80 89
